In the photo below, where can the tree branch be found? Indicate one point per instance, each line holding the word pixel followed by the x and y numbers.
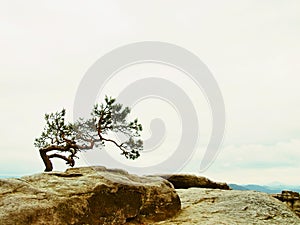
pixel 69 159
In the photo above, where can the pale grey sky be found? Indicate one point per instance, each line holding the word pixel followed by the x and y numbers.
pixel 251 47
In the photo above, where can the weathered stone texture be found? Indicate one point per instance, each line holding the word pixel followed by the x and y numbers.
pixel 228 207
pixel 87 195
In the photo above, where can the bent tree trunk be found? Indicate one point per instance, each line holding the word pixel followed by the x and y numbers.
pixel 70 148
pixel 48 164
pixel 46 160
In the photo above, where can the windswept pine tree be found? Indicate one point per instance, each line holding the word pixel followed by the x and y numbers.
pixel 64 140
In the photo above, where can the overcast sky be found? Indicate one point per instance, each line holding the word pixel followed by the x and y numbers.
pixel 251 47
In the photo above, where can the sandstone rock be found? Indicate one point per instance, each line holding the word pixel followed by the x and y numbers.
pixel 87 195
pixel 187 181
pixel 292 199
pixel 229 207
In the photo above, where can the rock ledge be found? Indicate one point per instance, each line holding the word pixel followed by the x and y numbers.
pixel 183 181
pixel 86 195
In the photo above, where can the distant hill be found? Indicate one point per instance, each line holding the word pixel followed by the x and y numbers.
pixel 260 188
pixel 237 187
pixel 264 188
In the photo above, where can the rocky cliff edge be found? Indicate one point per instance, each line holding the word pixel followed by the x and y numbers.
pixel 87 195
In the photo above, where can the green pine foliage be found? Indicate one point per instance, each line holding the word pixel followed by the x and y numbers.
pixel 64 138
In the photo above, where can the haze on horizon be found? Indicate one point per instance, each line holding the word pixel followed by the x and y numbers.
pixel 251 47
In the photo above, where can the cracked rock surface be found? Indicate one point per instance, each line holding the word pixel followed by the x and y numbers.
pixel 213 206
pixel 86 195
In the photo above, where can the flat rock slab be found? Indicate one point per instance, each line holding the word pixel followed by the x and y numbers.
pixel 86 195
pixel 213 206
pixel 183 181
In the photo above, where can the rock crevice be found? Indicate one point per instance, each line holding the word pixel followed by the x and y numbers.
pixel 292 199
